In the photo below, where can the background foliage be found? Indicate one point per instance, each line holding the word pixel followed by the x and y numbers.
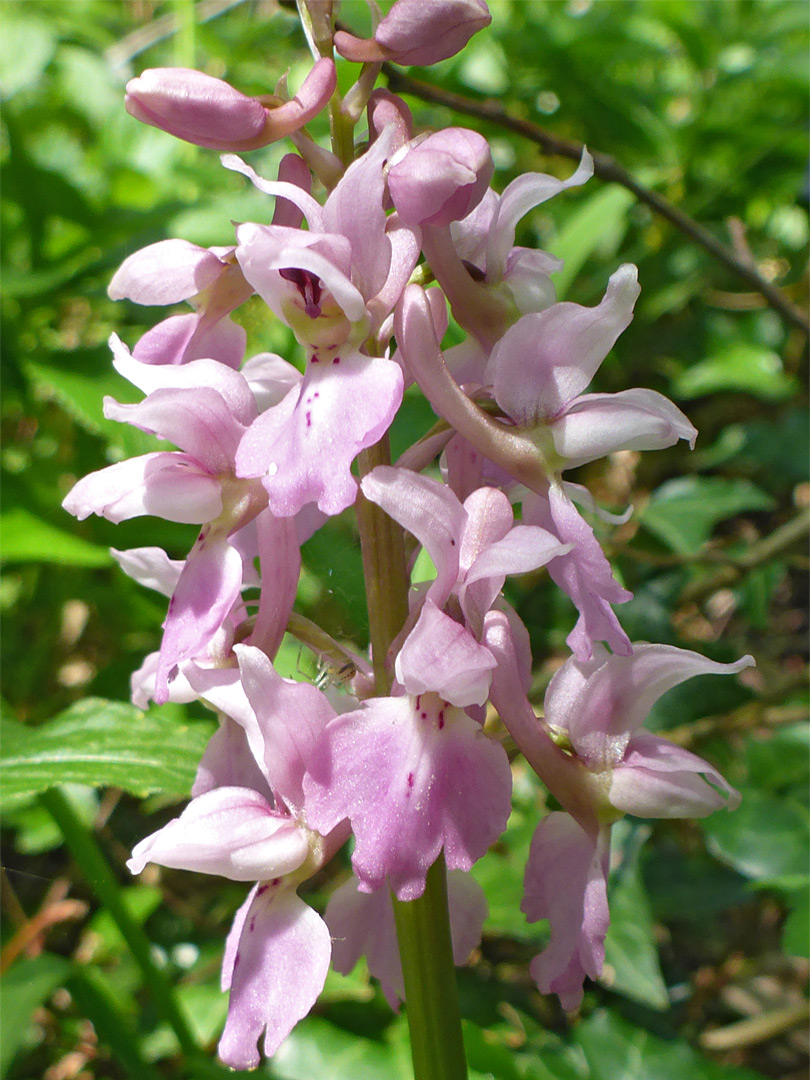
pixel 706 103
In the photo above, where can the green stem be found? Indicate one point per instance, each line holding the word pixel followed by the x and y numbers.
pixel 103 1008
pixel 96 869
pixel 423 925
pixel 434 1020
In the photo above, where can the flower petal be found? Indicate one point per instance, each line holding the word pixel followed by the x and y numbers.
pixel 229 831
pixel 280 961
pixel 413 803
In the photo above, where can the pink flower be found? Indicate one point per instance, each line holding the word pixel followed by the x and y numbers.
pixel 592 756
pixel 418 32
pixel 437 783
pixel 208 112
pixel 441 178
pixel 247 821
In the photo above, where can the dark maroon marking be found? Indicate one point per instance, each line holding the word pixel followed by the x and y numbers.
pixel 452 542
pixel 423 715
pixel 309 419
pixel 261 889
pixel 309 286
pixel 276 881
pixel 441 719
pixel 252 925
pixel 410 779
pixel 335 359
pixel 418 699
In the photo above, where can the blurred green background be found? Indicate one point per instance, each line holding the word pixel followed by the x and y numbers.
pixel 704 102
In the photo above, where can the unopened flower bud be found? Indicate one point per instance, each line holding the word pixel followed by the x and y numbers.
pixel 418 32
pixel 208 112
pixel 442 178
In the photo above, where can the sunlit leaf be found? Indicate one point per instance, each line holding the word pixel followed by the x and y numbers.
pixel 101 743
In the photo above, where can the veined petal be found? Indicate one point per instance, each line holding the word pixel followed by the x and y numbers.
pixel 229 762
pixel 229 831
pixel 429 511
pixel 659 779
pixel 279 952
pixel 524 548
pixel 546 359
pixel 362 924
pixel 518 198
pixel 355 210
pixel 584 573
pixel 595 425
pixel 196 374
pixel 270 379
pixel 165 273
pixel 306 203
pixel 197 420
pixel 442 656
pixel 151 567
pixel 617 696
pixel 164 484
pixel 411 805
pixel 291 717
pixel 206 591
pixel 565 883
pixel 304 447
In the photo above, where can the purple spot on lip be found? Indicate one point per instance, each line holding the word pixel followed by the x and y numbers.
pixel 410 779
pixel 309 419
pixel 252 925
pixel 261 889
pixel 441 719
pixel 335 359
pixel 452 542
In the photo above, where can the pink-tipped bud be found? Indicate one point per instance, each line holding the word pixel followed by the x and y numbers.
pixel 208 112
pixel 418 32
pixel 442 178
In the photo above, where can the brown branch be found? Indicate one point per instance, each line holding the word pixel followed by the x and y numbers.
pixel 606 168
pixel 762 551
pixel 56 908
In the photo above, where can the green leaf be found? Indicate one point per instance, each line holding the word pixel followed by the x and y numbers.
pixel 781 760
pixel 630 950
pixel 617 1050
pixel 601 218
pixel 318 1048
pixel 22 989
pixel 682 513
pixel 27 538
pixel 737 365
pixel 101 743
pixel 79 382
pixel 766 839
pixel 28 45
